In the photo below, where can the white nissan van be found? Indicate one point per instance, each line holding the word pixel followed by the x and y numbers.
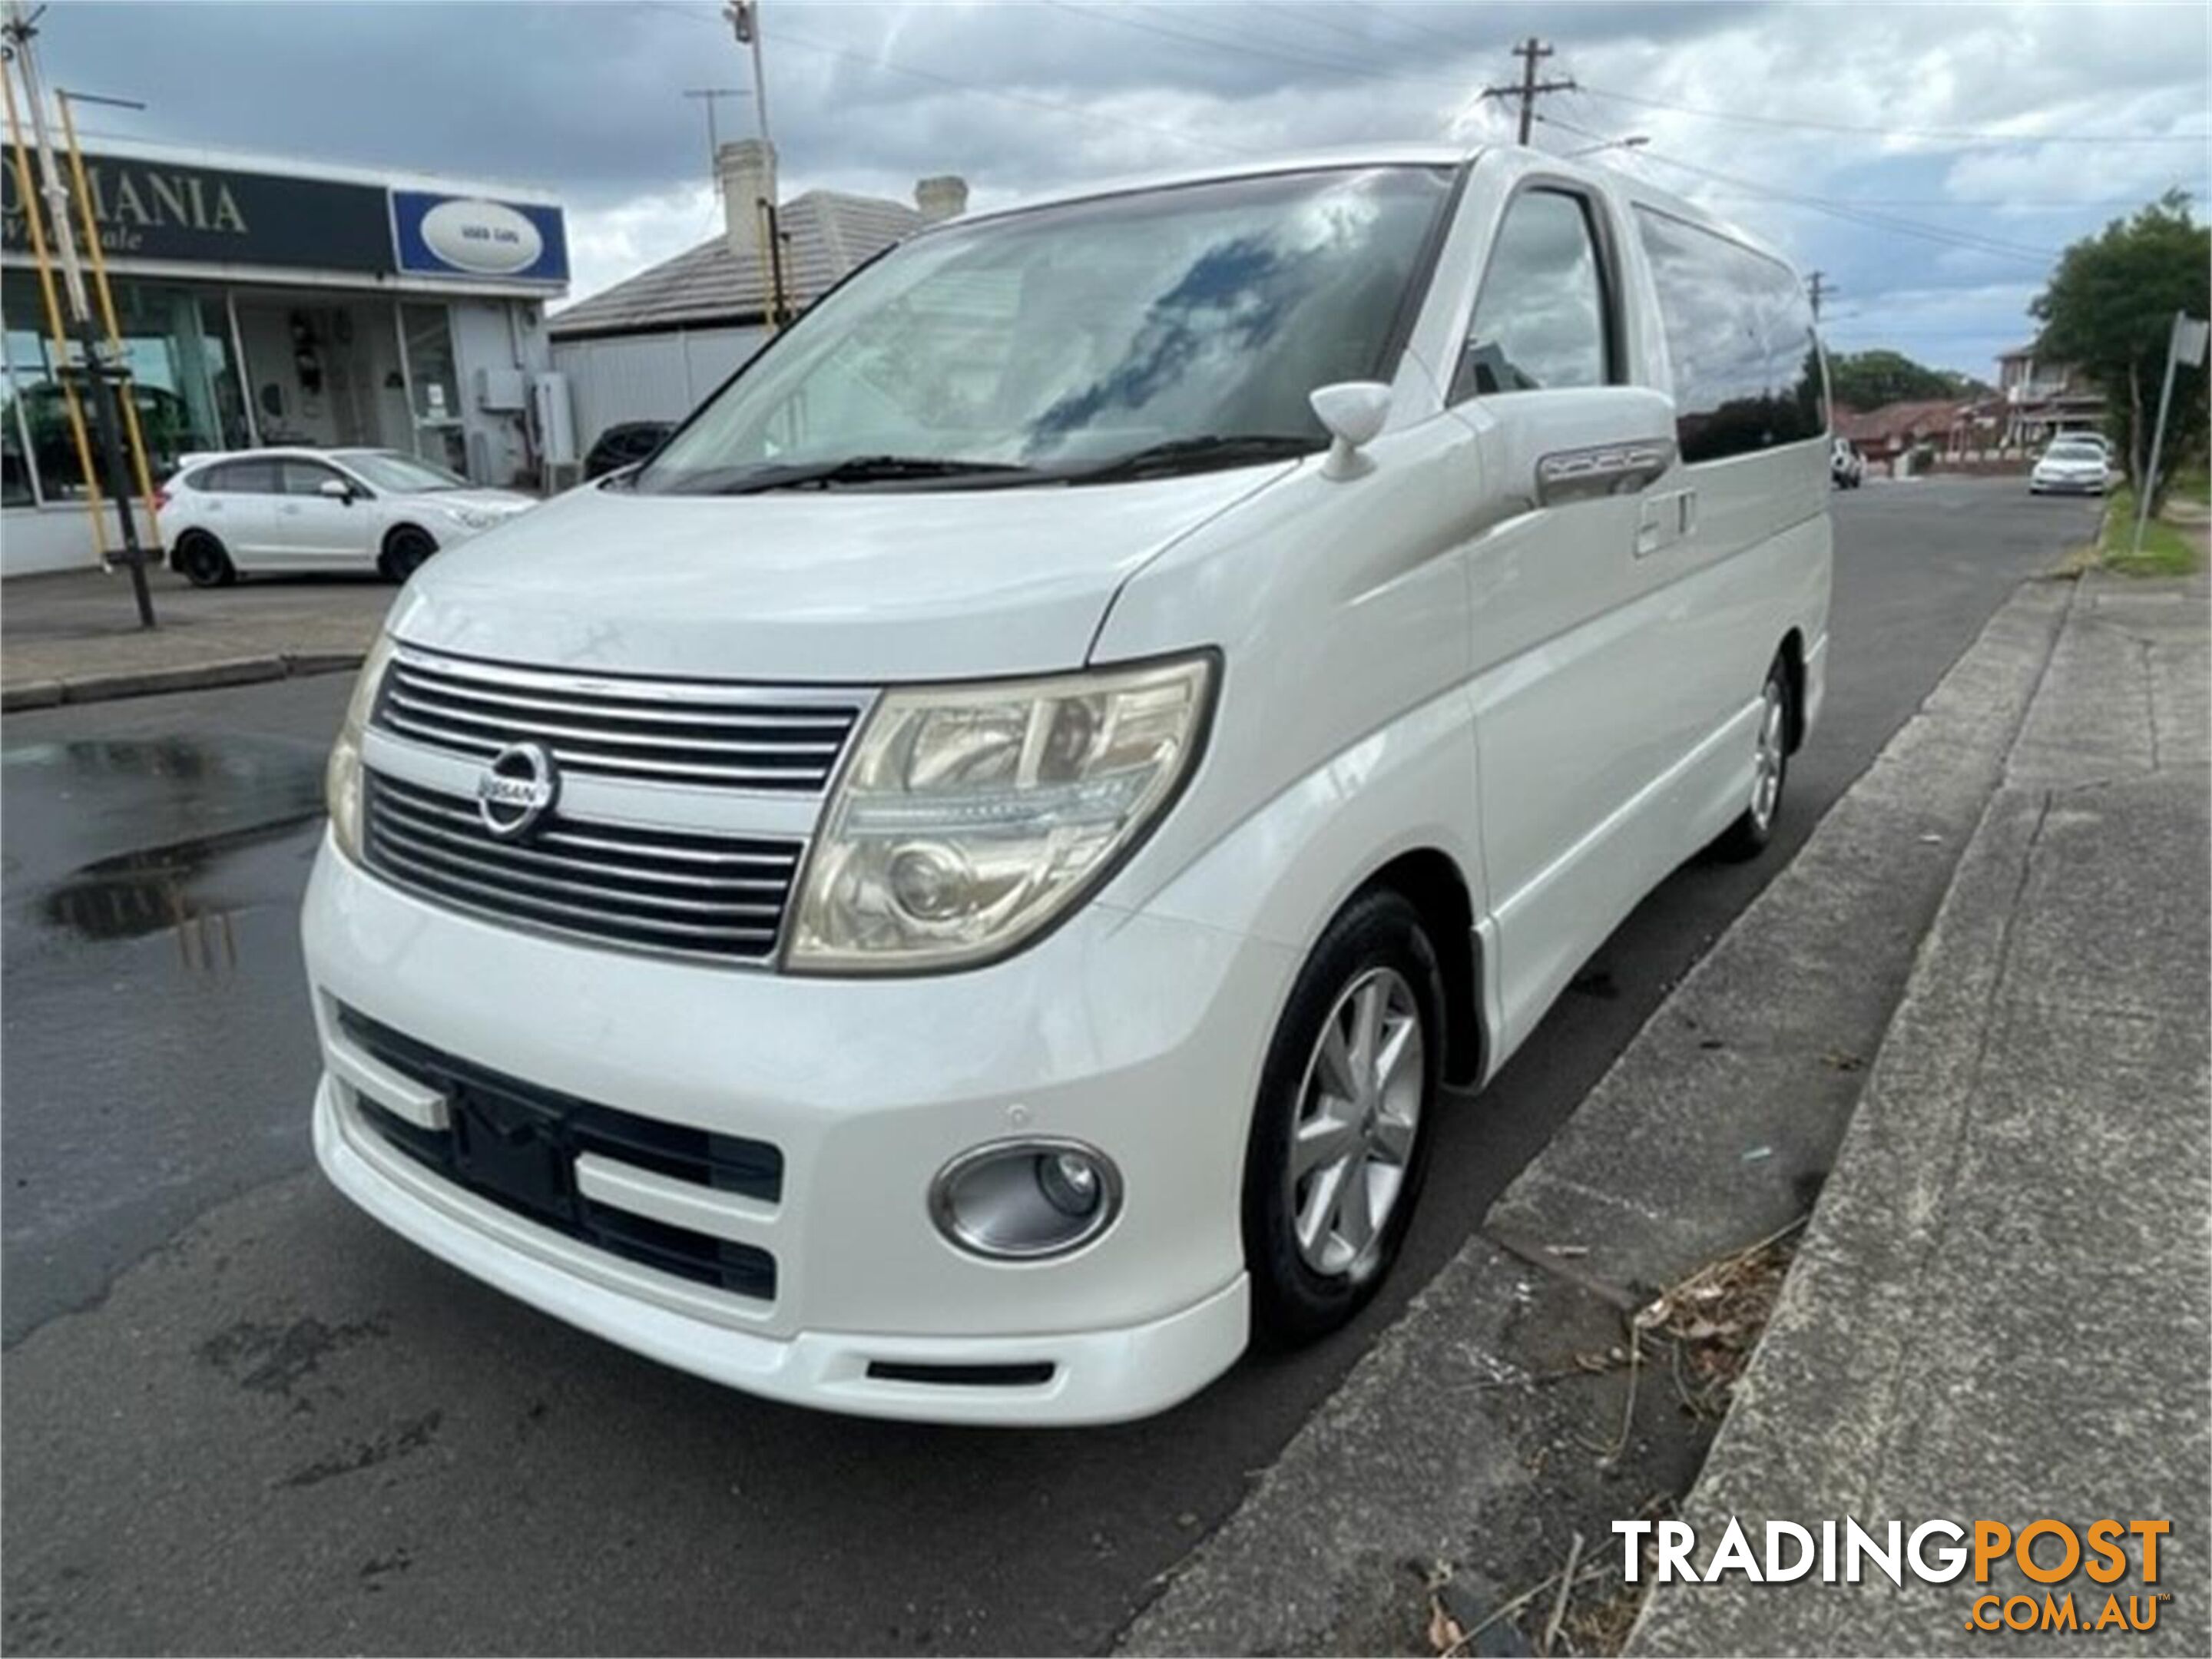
pixel 956 891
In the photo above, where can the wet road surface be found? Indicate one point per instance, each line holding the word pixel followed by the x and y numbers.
pixel 286 1429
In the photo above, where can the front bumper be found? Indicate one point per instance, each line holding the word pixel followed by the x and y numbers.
pixel 2049 486
pixel 1137 1035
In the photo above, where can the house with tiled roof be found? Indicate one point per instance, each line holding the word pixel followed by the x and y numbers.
pixel 1885 435
pixel 2042 398
pixel 654 345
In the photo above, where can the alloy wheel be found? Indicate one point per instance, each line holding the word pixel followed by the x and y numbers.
pixel 1359 1110
pixel 1771 756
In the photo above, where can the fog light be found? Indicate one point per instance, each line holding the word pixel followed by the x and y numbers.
pixel 1021 1199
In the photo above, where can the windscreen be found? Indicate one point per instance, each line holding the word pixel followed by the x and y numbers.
pixel 1046 340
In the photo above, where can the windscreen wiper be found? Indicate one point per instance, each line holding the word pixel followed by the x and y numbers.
pixel 878 468
pixel 1198 454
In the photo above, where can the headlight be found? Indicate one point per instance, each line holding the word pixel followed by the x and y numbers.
pixel 474 518
pixel 342 780
pixel 971 816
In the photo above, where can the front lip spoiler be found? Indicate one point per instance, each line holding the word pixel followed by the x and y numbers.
pixel 1104 1375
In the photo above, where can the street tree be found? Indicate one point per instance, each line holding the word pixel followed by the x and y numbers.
pixel 1870 380
pixel 2109 308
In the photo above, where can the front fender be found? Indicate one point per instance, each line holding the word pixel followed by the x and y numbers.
pixel 1281 873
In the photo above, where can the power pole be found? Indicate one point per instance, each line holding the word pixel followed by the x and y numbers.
pixel 711 96
pixel 1818 288
pixel 744 20
pixel 105 375
pixel 744 23
pixel 1529 52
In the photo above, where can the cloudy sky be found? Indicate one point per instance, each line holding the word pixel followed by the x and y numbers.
pixel 1930 159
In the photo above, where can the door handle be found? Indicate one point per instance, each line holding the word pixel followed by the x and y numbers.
pixel 1599 471
pixel 1665 519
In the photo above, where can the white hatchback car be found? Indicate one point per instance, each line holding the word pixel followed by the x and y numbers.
pixel 296 510
pixel 955 889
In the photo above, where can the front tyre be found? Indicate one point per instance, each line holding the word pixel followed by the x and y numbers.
pixel 1748 836
pixel 406 550
pixel 1340 1133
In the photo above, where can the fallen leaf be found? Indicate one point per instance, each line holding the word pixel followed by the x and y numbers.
pixel 1444 1631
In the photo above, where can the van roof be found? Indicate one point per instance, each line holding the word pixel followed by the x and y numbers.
pixel 1413 153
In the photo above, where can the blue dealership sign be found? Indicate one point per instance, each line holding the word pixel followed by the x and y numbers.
pixel 435 235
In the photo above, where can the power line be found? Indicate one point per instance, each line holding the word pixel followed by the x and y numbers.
pixel 1938 134
pixel 1964 239
pixel 1247 49
pixel 1313 15
pixel 865 61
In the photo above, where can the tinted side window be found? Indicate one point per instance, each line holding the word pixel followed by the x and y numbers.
pixel 304 477
pixel 1747 369
pixel 242 478
pixel 1539 321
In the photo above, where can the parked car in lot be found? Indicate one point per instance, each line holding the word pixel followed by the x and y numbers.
pixel 625 444
pixel 2071 465
pixel 293 510
pixel 1846 466
pixel 955 890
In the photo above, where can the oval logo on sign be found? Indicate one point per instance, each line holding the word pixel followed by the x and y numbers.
pixel 487 238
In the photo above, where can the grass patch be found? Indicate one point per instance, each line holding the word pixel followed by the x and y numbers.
pixel 2166 550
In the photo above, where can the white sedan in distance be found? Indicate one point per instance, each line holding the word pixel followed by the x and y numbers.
pixel 2071 465
pixel 252 511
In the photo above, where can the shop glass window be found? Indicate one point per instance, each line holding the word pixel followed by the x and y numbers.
pixel 41 410
pixel 166 346
pixel 1540 322
pixel 183 384
pixel 17 488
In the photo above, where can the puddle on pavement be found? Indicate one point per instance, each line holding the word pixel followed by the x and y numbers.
pixel 265 772
pixel 136 893
pixel 200 802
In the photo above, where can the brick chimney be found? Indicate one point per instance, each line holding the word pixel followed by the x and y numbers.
pixel 746 172
pixel 944 197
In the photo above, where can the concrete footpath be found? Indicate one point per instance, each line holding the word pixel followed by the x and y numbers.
pixel 2003 1307
pixel 73 637
pixel 1484 1440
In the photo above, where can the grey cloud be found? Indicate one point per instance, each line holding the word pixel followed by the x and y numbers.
pixel 585 98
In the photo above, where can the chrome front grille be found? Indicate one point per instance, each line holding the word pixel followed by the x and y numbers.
pixel 700 734
pixel 664 890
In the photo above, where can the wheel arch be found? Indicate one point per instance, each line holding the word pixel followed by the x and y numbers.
pixel 399 527
pixel 1429 879
pixel 1792 652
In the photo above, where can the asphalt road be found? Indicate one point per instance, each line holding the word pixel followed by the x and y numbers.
pixel 240 1417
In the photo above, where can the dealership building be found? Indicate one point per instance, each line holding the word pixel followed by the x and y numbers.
pixel 266 301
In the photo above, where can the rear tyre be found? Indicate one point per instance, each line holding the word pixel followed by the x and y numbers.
pixel 203 560
pixel 1339 1140
pixel 406 550
pixel 1748 836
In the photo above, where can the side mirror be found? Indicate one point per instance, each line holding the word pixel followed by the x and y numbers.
pixel 1353 411
pixel 337 489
